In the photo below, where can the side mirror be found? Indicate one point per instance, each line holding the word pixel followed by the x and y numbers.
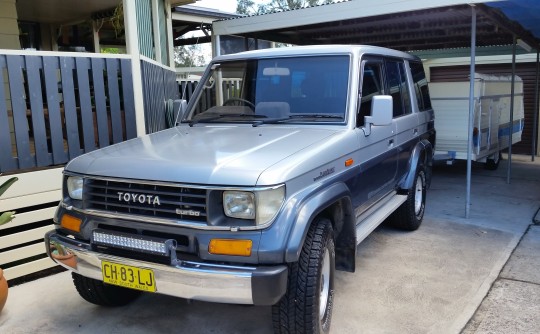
pixel 381 112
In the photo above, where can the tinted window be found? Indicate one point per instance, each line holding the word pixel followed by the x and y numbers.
pixel 371 86
pixel 275 88
pixel 405 94
pixel 420 86
pixel 397 84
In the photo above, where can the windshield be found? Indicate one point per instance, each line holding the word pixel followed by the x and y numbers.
pixel 294 89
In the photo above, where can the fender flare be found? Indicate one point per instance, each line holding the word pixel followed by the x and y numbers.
pixel 422 146
pixel 310 209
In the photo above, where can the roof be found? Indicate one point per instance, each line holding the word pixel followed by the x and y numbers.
pixel 315 50
pixel 67 11
pixel 198 11
pixel 404 25
pixel 188 18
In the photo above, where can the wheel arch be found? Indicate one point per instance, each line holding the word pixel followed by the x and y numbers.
pixel 421 155
pixel 334 203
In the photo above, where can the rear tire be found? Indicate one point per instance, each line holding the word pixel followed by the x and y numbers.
pixel 307 304
pixel 493 162
pixel 410 214
pixel 99 293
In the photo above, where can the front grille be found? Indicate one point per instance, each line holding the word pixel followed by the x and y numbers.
pixel 149 200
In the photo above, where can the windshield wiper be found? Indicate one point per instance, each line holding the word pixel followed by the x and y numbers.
pixel 316 116
pixel 220 116
pixel 296 116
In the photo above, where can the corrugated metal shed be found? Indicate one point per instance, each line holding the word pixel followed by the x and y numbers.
pixel 404 25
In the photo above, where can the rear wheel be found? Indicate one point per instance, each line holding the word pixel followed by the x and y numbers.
pixel 410 214
pixel 492 163
pixel 307 305
pixel 99 293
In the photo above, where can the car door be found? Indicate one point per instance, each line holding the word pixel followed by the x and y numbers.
pixel 377 150
pixel 406 121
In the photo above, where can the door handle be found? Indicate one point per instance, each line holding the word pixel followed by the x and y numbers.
pixel 391 143
pixel 415 131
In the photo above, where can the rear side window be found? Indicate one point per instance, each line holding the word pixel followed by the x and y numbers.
pixel 420 86
pixel 397 84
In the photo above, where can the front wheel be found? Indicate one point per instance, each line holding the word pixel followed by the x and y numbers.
pixel 410 214
pixel 307 305
pixel 99 293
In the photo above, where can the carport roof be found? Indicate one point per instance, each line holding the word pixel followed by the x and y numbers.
pixel 407 25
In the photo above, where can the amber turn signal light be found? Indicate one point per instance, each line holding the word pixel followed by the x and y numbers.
pixel 71 223
pixel 230 247
pixel 349 162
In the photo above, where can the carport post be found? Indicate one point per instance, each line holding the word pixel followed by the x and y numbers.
pixel 509 172
pixel 471 110
pixel 535 122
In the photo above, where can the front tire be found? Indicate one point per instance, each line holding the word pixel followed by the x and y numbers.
pixel 410 214
pixel 307 304
pixel 99 293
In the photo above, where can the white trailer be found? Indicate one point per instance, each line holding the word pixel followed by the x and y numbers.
pixel 492 100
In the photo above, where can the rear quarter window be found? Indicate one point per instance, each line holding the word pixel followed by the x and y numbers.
pixel 420 86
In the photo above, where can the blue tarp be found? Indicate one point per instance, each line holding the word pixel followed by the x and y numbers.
pixel 524 12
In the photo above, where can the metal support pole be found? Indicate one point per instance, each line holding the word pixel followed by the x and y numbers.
pixel 535 122
pixel 512 90
pixel 471 111
pixel 133 49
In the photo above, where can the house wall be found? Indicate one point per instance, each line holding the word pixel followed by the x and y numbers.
pixel 9 29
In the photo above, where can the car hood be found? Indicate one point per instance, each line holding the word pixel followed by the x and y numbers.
pixel 217 155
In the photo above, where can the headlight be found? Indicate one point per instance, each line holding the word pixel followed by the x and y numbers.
pixel 239 204
pixel 75 187
pixel 261 205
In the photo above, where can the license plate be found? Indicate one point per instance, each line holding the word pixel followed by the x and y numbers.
pixel 128 276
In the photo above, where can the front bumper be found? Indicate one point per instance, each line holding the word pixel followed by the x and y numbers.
pixel 263 285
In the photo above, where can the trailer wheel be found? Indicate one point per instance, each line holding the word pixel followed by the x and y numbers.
pixel 99 293
pixel 492 163
pixel 307 305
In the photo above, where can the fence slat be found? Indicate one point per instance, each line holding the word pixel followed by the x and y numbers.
pixel 30 217
pixel 114 99
pixel 29 268
pixel 23 237
pixel 67 64
pixel 7 162
pixel 50 67
pixel 33 199
pixel 101 102
pixel 18 104
pixel 87 118
pixel 22 253
pixel 33 73
pixel 129 99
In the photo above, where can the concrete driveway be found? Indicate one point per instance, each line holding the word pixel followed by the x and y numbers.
pixel 429 281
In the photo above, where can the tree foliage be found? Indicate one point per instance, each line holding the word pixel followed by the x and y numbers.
pixel 249 7
pixel 189 56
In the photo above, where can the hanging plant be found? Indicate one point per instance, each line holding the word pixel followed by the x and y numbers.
pixel 117 20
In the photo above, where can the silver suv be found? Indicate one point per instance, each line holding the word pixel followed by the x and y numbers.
pixel 283 161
